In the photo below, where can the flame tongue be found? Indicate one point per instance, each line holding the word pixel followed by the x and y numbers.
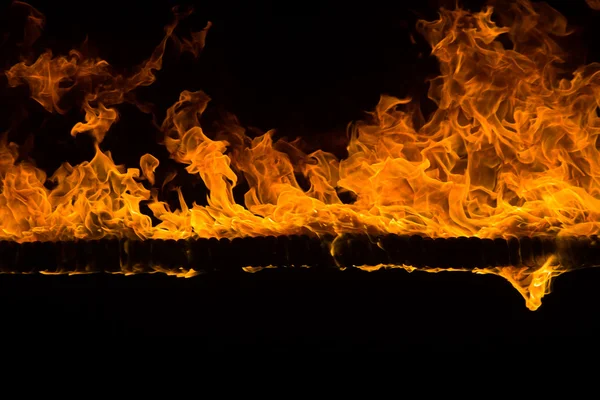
pixel 510 151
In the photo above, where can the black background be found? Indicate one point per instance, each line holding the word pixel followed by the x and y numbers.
pixel 307 70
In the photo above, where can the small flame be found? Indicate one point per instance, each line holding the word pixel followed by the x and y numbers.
pixel 33 26
pixel 509 151
pixel 532 285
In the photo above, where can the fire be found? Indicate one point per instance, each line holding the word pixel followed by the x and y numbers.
pixel 594 4
pixel 510 151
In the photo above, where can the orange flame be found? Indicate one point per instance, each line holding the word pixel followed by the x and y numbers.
pixel 509 151
pixel 594 4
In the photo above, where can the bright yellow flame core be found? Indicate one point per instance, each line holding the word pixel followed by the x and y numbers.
pixel 510 151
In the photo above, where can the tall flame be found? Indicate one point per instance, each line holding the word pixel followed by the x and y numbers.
pixel 509 151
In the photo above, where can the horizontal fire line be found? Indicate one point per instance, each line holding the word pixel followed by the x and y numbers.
pixel 126 255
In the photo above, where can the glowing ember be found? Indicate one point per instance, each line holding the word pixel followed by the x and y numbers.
pixel 510 151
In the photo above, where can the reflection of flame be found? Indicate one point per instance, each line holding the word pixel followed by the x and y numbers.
pixel 510 151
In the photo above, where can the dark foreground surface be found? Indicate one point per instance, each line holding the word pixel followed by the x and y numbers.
pixel 304 309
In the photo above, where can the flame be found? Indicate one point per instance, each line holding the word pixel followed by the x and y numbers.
pixel 50 78
pixel 509 151
pixel 33 26
pixel 594 4
pixel 531 285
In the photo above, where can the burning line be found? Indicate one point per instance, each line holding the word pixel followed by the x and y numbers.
pixel 528 263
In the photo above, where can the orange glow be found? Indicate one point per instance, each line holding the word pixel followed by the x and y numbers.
pixel 510 151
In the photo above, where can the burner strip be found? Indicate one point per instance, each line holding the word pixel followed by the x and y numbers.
pixel 131 256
